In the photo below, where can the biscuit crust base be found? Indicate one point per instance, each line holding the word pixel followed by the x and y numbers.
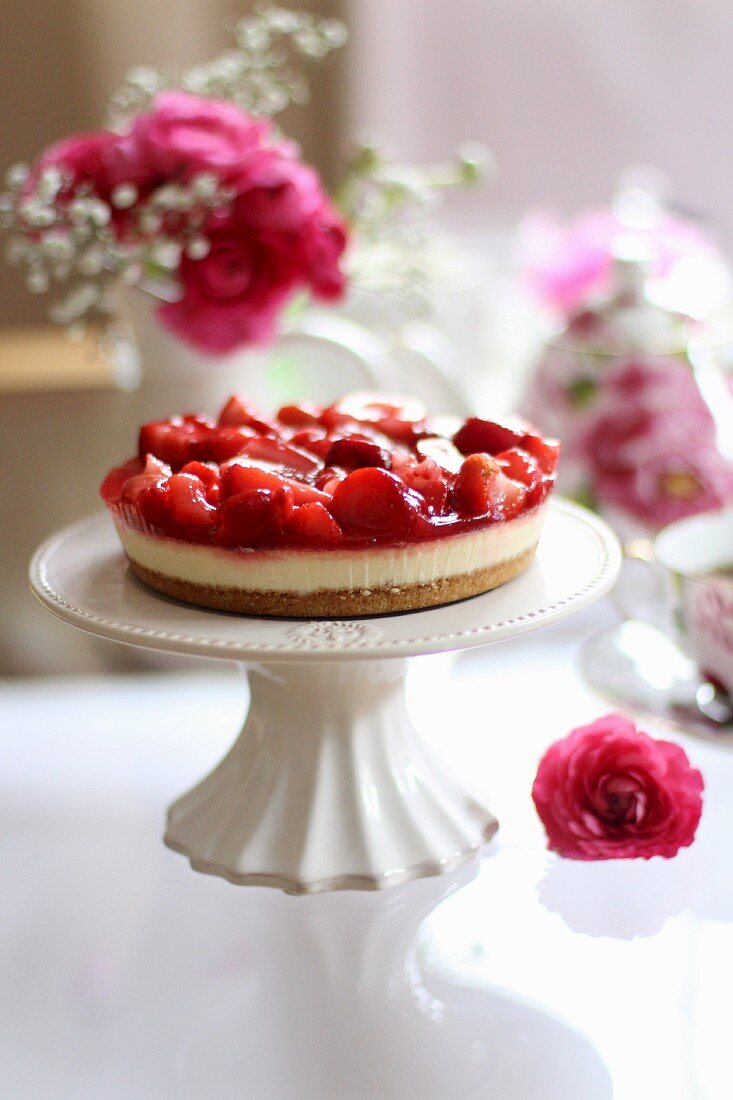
pixel 336 603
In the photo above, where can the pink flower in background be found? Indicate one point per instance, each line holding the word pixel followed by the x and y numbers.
pixel 609 791
pixel 657 465
pixel 184 135
pixel 568 263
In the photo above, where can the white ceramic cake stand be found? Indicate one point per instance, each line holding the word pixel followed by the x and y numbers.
pixel 329 785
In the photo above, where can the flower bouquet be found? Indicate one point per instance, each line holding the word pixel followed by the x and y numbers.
pixel 192 194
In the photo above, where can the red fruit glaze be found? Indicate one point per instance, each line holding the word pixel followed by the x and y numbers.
pixel 375 502
pixel 313 525
pixel 300 416
pixel 187 504
pixel 486 436
pixel 353 452
pixel 364 471
pixel 254 517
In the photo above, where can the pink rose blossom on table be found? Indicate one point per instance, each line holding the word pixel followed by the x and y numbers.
pixel 609 791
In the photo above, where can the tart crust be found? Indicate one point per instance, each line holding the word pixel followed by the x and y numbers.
pixel 337 603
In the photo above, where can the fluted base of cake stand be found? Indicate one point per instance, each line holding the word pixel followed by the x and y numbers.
pixel 328 787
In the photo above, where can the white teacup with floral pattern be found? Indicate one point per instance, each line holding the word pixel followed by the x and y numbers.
pixel 696 555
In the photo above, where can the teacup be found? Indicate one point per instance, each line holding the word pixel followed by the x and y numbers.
pixel 696 556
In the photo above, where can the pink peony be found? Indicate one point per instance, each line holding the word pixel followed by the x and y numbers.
pixel 609 791
pixel 185 135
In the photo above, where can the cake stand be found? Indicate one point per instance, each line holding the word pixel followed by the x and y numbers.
pixel 329 786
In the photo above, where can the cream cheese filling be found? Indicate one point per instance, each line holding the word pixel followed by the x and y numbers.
pixel 304 570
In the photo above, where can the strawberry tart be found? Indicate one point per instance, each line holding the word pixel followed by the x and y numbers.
pixel 365 507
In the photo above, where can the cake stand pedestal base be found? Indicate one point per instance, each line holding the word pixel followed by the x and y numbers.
pixel 328 787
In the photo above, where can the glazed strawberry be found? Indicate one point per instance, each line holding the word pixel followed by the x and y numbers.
pixel 353 452
pixel 208 474
pixel 371 501
pixel 187 504
pixel 300 416
pixel 280 454
pixel 313 440
pixel 328 478
pixel 238 478
pixel 427 478
pixel 399 418
pixel 487 437
pixel 523 467
pixel 220 444
pixel 254 517
pixel 546 451
pixel 111 488
pixel 313 525
pixel 238 412
pixel 174 441
pixel 442 451
pixel 477 487
pixel 153 472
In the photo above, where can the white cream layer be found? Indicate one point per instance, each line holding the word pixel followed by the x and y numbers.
pixel 291 570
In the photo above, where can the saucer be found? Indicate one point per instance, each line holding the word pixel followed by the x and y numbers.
pixel 640 668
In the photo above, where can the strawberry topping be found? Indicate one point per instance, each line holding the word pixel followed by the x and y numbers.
pixel 368 469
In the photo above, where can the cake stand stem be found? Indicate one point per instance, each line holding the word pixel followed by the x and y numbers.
pixel 328 786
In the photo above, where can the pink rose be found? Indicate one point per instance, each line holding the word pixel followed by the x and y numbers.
pixel 277 238
pixel 184 135
pixel 102 159
pixel 609 791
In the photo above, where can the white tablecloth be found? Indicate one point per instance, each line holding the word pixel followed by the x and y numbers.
pixel 127 975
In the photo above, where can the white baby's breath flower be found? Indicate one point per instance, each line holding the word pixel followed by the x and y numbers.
pixel 16 176
pixel 124 196
pixel 198 248
pixel 37 281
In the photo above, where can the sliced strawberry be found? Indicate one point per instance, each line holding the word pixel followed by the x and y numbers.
pixel 153 505
pixel 487 437
pixel 512 498
pixel 238 478
pixel 442 451
pixel 153 473
pixel 524 468
pixel 189 509
pixel 239 412
pixel 313 440
pixel 209 475
pixel 371 501
pixel 477 487
pixel 221 444
pixel 111 488
pixel 255 517
pixel 312 524
pixel 329 476
pixel 400 418
pixel 281 454
pixel 427 478
pixel 546 451
pixel 174 441
pixel 353 452
pixel 303 415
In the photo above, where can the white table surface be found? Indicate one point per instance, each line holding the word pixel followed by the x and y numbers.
pixel 124 974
